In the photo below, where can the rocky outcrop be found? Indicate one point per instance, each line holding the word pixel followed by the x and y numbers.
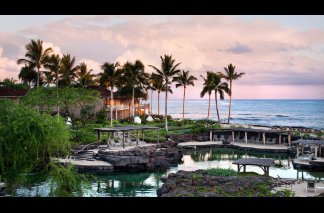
pixel 148 158
pixel 2 188
pixel 201 184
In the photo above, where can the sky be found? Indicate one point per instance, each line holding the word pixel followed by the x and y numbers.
pixel 282 56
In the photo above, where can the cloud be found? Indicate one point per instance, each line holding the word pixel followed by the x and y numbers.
pixel 8 67
pixel 239 48
pixel 270 54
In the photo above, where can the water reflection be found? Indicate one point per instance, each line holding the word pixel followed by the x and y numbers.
pixel 145 184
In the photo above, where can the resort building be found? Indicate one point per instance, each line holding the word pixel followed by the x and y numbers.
pixel 11 93
pixel 121 106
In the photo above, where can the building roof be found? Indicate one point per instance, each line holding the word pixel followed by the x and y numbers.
pixel 10 92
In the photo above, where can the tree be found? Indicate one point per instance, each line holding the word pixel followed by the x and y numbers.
pixel 152 87
pixel 219 87
pixel 109 78
pixel 85 78
pixel 68 70
pixel 134 74
pixel 53 63
pixel 230 75
pixel 208 88
pixel 184 79
pixel 28 75
pixel 168 70
pixel 28 140
pixel 35 56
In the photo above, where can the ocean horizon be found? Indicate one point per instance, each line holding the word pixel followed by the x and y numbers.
pixel 307 113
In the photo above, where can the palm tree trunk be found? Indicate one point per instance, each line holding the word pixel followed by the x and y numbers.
pixel 217 107
pixel 129 108
pixel 37 77
pixel 151 101
pixel 111 104
pixel 57 96
pixel 208 106
pixel 183 101
pixel 230 105
pixel 166 107
pixel 159 102
pixel 133 102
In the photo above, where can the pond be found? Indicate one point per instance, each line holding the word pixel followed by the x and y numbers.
pixel 145 184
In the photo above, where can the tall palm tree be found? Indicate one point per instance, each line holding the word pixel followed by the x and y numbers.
pixel 184 79
pixel 85 78
pixel 109 78
pixel 208 88
pixel 152 87
pixel 230 75
pixel 135 74
pixel 219 87
pixel 35 56
pixel 168 70
pixel 54 63
pixel 28 75
pixel 68 70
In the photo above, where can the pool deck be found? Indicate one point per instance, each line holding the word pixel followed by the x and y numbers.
pixel 243 146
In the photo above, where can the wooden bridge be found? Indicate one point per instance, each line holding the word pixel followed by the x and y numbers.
pixel 263 163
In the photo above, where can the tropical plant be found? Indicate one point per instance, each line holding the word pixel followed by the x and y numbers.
pixel 28 140
pixel 134 74
pixel 68 70
pixel 35 56
pixel 184 79
pixel 168 70
pixel 230 75
pixel 208 88
pixel 219 87
pixel 85 78
pixel 28 75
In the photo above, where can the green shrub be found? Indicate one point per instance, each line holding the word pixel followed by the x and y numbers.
pixel 221 172
pixel 101 116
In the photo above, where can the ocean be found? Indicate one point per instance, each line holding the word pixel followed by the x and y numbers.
pixel 298 113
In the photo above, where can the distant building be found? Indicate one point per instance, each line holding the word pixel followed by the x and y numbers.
pixel 121 105
pixel 11 93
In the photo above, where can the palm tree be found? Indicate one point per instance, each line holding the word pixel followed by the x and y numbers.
pixel 84 76
pixel 208 88
pixel 109 78
pixel 184 79
pixel 230 75
pixel 135 74
pixel 28 75
pixel 168 70
pixel 35 55
pixel 152 87
pixel 219 87
pixel 54 63
pixel 49 78
pixel 158 85
pixel 68 70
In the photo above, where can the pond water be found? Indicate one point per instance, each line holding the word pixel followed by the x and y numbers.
pixel 145 184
